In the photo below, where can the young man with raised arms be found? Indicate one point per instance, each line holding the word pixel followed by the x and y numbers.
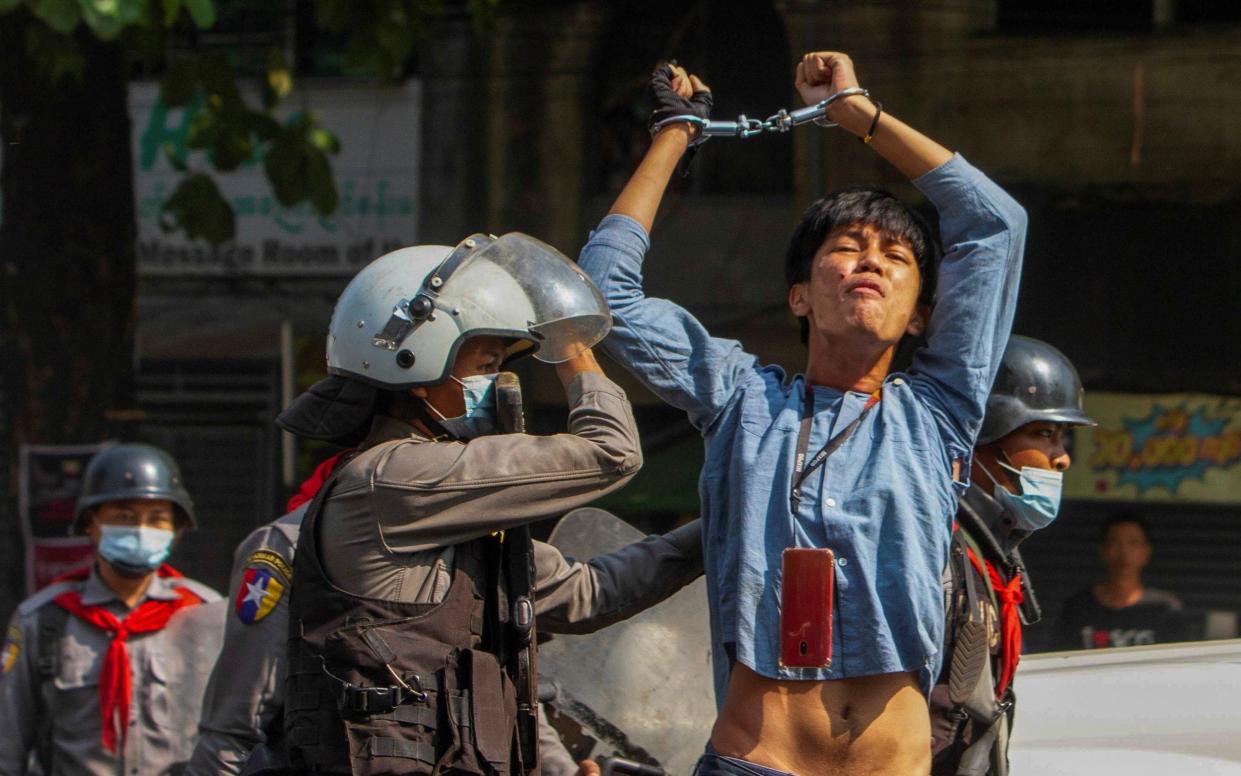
pixel 845 456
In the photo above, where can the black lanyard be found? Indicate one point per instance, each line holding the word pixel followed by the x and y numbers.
pixel 802 469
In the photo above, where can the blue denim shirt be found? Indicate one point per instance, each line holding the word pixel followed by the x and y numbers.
pixel 884 501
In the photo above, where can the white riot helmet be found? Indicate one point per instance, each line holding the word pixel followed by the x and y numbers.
pixel 399 322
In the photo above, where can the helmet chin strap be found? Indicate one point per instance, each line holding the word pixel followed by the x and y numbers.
pixel 426 414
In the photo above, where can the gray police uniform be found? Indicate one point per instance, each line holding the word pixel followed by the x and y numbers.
pixel 246 693
pixel 60 688
pixel 245 696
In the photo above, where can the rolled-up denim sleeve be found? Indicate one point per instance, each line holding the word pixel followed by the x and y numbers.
pixel 660 342
pixel 983 231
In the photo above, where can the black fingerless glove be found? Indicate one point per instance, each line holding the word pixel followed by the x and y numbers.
pixel 666 103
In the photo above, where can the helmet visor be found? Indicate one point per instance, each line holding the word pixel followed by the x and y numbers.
pixel 519 285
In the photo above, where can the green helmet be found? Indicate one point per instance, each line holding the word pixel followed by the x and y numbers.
pixel 132 471
pixel 1036 382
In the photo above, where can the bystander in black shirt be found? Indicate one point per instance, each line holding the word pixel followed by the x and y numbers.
pixel 1087 624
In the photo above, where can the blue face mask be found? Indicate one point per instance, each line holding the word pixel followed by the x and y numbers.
pixel 479 419
pixel 135 549
pixel 1039 501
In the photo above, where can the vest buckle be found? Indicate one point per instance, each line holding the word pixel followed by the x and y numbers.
pixel 369 700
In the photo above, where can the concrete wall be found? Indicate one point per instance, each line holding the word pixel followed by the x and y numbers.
pixel 1154 110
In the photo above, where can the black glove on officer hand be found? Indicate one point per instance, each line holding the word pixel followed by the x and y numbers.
pixel 667 103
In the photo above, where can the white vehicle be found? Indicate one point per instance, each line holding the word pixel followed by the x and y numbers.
pixel 1165 710
pixel 1136 711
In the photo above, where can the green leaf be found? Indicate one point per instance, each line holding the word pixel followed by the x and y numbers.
pixel 218 78
pixel 202 12
pixel 279 75
pixel 174 158
pixel 61 15
pixel 285 165
pixel 199 209
pixel 57 57
pixel 299 123
pixel 171 9
pixel 325 141
pixel 108 18
pixel 203 129
pixel 9 5
pixel 262 125
pixel 179 84
pixel 320 181
pixel 232 146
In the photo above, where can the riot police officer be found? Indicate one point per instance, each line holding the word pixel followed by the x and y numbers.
pixel 415 581
pixel 1018 465
pixel 104 668
pixel 242 718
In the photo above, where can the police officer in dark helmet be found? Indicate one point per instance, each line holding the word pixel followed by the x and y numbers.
pixel 1018 464
pixel 103 669
pixel 415 583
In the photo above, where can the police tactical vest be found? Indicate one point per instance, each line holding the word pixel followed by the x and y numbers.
pixel 972 655
pixel 385 687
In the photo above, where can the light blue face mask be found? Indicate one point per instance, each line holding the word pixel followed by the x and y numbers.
pixel 1039 501
pixel 135 549
pixel 479 419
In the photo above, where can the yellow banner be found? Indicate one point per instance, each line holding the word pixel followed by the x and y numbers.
pixel 1168 447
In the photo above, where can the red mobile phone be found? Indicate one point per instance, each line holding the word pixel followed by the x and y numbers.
pixel 806 591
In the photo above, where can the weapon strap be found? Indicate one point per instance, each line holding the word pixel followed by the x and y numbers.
pixel 1030 610
pixel 989 547
pixel 517 560
pixel 51 628
pixel 518 571
pixel 971 648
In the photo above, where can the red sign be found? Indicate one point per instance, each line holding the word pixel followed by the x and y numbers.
pixel 47 559
pixel 50 480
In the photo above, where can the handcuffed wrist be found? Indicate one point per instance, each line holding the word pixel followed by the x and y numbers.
pixel 845 107
pixel 691 125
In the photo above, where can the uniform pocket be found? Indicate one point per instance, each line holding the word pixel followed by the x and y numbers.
pixel 78 667
pixel 75 687
pixel 493 702
pixel 159 705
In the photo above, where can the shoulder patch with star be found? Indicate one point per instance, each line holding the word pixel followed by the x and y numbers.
pixel 263 584
pixel 11 650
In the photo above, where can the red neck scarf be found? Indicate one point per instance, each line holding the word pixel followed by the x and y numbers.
pixel 311 486
pixel 1010 597
pixel 115 679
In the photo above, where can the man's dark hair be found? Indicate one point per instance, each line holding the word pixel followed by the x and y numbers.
pixel 1123 517
pixel 861 205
